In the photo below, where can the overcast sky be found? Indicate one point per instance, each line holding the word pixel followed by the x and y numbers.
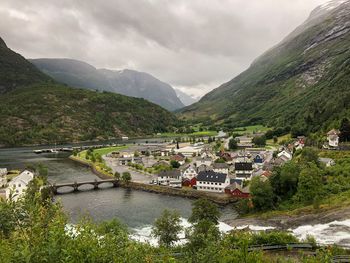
pixel 194 45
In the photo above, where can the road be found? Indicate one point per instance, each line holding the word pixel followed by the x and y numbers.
pixel 135 175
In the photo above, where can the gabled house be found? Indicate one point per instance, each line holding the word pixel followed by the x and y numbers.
pixel 226 156
pixel 18 185
pixel 259 159
pixel 180 158
pixel 172 178
pixel 190 172
pixel 206 161
pixel 203 168
pixel 327 161
pixel 212 182
pixel 333 138
pixel 244 170
pixel 285 155
pixel 236 190
pixel 220 168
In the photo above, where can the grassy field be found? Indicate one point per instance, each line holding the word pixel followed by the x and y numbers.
pixel 279 139
pixel 251 129
pixel 197 133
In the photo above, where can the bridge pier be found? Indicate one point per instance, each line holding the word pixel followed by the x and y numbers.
pixel 75 187
pixel 96 185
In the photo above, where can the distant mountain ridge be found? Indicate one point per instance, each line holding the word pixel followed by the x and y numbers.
pixel 80 74
pixel 185 98
pixel 35 109
pixel 302 82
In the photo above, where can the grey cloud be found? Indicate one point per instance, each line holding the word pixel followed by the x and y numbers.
pixel 195 44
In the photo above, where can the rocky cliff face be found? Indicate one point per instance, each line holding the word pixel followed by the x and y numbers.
pixel 301 82
pixel 127 82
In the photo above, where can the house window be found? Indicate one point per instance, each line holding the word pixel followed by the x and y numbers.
pixel 19 185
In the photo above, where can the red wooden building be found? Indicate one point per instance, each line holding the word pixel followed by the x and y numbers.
pixel 236 190
pixel 189 182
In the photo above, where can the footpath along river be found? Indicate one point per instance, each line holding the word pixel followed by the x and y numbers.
pixel 138 209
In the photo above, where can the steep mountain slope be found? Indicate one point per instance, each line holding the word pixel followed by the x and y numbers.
pixel 127 82
pixel 303 82
pixel 16 71
pixel 36 109
pixel 185 99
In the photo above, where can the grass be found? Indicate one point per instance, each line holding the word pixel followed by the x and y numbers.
pixel 279 139
pixel 197 133
pixel 100 167
pixel 250 129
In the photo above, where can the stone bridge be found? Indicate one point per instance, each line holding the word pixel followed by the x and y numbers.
pixel 76 185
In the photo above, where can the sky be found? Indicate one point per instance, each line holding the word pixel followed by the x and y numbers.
pixel 194 45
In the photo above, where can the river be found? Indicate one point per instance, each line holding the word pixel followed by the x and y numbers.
pixel 136 209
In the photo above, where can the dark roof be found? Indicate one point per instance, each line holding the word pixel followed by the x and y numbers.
pixel 171 173
pixel 236 180
pixel 243 166
pixel 211 176
pixel 220 165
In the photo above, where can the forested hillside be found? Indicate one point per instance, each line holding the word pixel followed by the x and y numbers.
pixel 37 110
pixel 303 82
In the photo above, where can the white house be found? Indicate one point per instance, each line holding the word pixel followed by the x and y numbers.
pixel 220 168
pixel 243 170
pixel 327 161
pixel 333 138
pixel 285 155
pixel 212 182
pixel 18 185
pixel 3 178
pixel 189 151
pixel 206 161
pixel 170 178
pixel 189 173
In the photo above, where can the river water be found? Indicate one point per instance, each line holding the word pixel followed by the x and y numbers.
pixel 136 209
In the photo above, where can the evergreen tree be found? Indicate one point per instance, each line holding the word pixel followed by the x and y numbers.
pixel 344 130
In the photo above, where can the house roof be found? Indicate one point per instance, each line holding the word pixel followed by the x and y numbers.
pixel 235 185
pixel 333 132
pixel 171 173
pixel 24 177
pixel 243 166
pixel 220 165
pixel 211 176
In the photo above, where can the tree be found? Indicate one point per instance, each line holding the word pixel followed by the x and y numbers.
pixel 344 130
pixel 232 144
pixel 284 180
pixel 275 139
pixel 117 175
pixel 177 145
pixel 220 160
pixel 175 164
pixel 259 140
pixel 167 228
pixel 310 183
pixel 93 158
pixel 262 194
pixel 126 177
pixel 309 155
pixel 203 209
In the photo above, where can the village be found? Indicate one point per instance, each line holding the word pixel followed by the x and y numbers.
pixel 206 164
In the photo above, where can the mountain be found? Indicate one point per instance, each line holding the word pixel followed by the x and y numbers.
pixel 303 82
pixel 127 82
pixel 185 98
pixel 37 110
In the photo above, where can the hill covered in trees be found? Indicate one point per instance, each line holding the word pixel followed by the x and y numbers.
pixel 37 110
pixel 303 82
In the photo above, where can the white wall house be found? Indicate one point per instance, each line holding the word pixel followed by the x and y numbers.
pixel 333 138
pixel 172 178
pixel 190 173
pixel 18 185
pixel 3 178
pixel 285 155
pixel 206 161
pixel 189 151
pixel 211 181
pixel 244 170
pixel 220 168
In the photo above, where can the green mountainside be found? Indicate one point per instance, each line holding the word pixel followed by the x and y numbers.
pixel 303 82
pixel 37 110
pixel 79 74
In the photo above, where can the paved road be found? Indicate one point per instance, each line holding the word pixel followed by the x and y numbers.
pixel 136 176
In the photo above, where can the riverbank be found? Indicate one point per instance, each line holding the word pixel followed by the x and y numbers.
pixel 187 192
